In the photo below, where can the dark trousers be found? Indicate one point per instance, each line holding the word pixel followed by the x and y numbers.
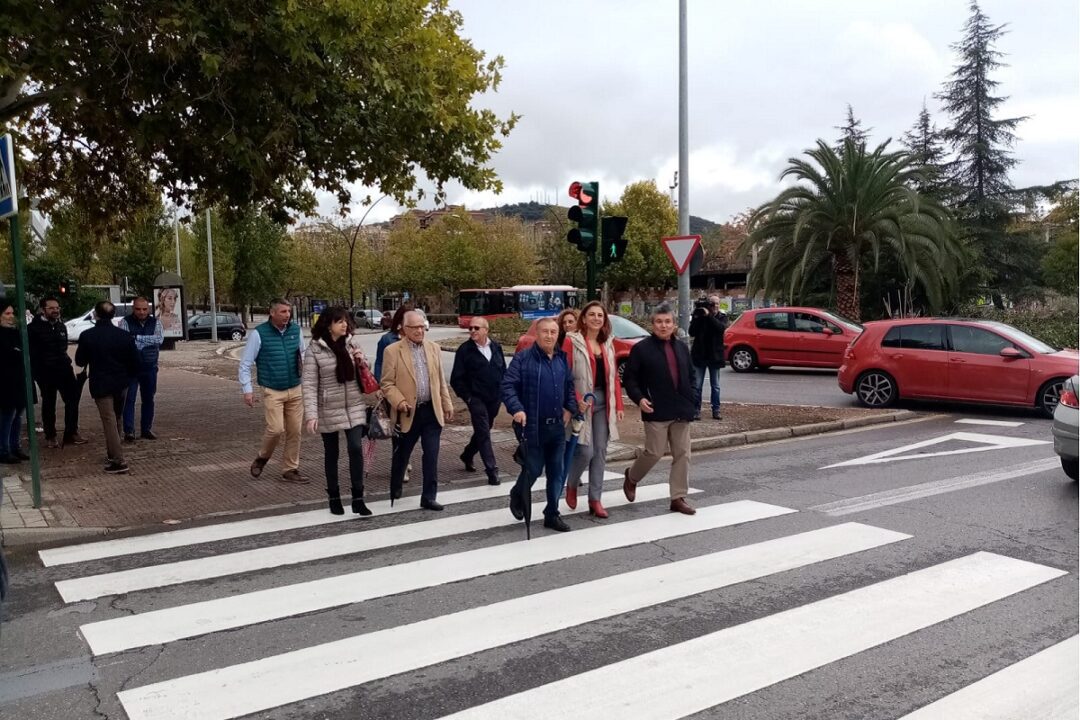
pixel 714 384
pixel 70 391
pixel 426 429
pixel 546 458
pixel 10 430
pixel 353 438
pixel 145 383
pixel 483 418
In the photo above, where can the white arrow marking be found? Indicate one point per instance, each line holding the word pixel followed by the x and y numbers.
pixel 982 444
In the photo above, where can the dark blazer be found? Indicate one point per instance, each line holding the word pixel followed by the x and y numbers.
pixel 474 376
pixel 12 382
pixel 521 387
pixel 708 333
pixel 111 355
pixel 49 359
pixel 647 377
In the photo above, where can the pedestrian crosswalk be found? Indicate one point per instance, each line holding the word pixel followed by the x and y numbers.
pixel 624 568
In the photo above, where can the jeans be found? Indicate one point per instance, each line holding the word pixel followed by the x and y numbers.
pixel 145 383
pixel 547 458
pixel 594 455
pixel 714 382
pixel 70 390
pixel 483 418
pixel 10 429
pixel 353 438
pixel 427 430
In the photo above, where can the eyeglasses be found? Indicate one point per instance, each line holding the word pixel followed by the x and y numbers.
pixel 414 327
pixel 475 327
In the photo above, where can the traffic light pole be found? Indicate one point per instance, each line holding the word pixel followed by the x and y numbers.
pixel 590 275
pixel 684 162
pixel 28 382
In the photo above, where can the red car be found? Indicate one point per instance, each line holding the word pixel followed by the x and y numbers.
pixel 626 335
pixel 978 361
pixel 792 336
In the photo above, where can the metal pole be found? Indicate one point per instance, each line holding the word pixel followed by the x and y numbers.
pixel 684 162
pixel 28 382
pixel 213 295
pixel 176 232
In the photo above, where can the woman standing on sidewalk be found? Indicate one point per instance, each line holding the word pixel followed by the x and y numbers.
pixel 591 353
pixel 12 386
pixel 333 401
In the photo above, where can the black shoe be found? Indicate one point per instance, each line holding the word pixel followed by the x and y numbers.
pixel 716 415
pixel 129 437
pixel 149 435
pixel 517 507
pixel 22 456
pixel 469 467
pixel 116 468
pixel 555 522
pixel 697 416
pixel 493 479
pixel 9 460
pixel 431 505
pixel 335 506
pixel 360 508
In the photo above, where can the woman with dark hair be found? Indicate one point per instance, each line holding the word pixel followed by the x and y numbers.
pixel 333 401
pixel 591 355
pixel 12 386
pixel 390 337
pixel 568 323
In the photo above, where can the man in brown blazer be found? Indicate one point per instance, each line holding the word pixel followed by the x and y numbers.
pixel 412 382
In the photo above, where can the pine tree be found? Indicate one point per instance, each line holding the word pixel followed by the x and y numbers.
pixel 852 130
pixel 925 145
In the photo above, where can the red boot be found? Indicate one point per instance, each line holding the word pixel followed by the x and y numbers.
pixel 595 508
pixel 571 496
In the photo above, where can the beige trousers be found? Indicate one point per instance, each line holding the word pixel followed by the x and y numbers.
pixel 284 411
pixel 658 437
pixel 111 410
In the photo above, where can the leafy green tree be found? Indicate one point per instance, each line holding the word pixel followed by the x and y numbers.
pixel 651 216
pixel 847 207
pixel 256 245
pixel 924 143
pixel 257 102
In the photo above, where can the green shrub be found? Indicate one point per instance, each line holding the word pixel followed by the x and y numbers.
pixel 1054 322
pixel 507 331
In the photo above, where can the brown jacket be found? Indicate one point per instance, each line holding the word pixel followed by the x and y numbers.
pixel 399 381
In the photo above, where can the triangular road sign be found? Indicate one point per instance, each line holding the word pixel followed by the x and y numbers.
pixel 981 443
pixel 680 249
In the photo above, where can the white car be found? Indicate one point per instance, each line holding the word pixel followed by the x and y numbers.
pixel 76 326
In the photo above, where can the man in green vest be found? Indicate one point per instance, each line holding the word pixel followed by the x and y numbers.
pixel 276 349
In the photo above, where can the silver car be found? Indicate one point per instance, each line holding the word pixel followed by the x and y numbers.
pixel 1065 428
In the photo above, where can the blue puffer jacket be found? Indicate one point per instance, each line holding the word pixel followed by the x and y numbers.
pixel 521 387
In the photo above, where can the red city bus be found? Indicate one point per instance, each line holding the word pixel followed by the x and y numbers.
pixel 522 301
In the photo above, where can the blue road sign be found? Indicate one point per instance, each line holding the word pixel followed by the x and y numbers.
pixel 9 200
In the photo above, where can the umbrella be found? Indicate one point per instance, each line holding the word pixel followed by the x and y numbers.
pixel 576 423
pixel 520 456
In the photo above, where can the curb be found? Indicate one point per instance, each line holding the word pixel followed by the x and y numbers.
pixel 41 537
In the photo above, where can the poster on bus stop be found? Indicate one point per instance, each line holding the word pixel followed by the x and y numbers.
pixel 166 301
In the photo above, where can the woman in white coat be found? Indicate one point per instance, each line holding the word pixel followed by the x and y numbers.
pixel 333 401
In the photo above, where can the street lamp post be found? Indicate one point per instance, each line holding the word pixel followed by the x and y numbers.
pixel 684 162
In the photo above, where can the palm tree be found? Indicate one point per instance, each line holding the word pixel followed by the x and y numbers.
pixel 849 206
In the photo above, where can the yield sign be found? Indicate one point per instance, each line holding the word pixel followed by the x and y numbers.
pixel 981 443
pixel 680 249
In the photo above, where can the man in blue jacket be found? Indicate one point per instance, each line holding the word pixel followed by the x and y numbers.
pixel 538 390
pixel 148 340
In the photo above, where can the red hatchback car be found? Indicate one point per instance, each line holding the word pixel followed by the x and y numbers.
pixel 792 336
pixel 977 361
pixel 625 334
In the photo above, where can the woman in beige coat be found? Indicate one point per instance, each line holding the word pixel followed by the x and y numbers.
pixel 333 401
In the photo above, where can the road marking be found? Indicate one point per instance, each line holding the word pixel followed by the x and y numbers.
pixel 293 676
pixel 934 487
pixel 162 626
pixel 175 573
pixel 699 674
pixel 982 443
pixel 1041 687
pixel 258 526
pixel 992 423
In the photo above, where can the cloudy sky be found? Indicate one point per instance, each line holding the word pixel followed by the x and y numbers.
pixel 596 84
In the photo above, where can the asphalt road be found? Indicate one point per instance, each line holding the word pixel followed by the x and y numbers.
pixel 840 576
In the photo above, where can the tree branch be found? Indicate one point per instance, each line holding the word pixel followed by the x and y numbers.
pixel 13 109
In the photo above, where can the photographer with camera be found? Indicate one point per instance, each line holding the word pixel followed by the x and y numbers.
pixel 707 326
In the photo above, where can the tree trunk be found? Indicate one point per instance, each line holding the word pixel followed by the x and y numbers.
pixel 847 287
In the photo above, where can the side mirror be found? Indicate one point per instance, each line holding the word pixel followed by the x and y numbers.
pixel 1011 353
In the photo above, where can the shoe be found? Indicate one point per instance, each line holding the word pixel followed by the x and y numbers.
pixel 360 508
pixel 22 456
pixel 335 506
pixel 257 466
pixel 469 467
pixel 555 522
pixel 52 443
pixel 129 438
pixel 571 497
pixel 149 435
pixel 716 415
pixel 294 477
pixel 680 505
pixel 595 508
pixel 629 487
pixel 493 478
pixel 9 460
pixel 116 468
pixel 75 439
pixel 431 505
pixel 696 417
pixel 517 507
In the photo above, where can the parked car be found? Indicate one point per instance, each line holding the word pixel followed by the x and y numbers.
pixel 789 336
pixel 76 326
pixel 229 325
pixel 626 335
pixel 1066 427
pixel 977 361
pixel 368 318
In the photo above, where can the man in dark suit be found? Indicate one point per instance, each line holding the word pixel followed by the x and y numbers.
pixel 113 361
pixel 477 377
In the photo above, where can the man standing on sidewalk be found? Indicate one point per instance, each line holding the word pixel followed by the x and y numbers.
pixel 658 379
pixel 477 376
pixel 148 339
pixel 109 353
pixel 707 328
pixel 276 349
pixel 51 368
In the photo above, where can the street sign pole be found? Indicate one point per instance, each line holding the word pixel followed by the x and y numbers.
pixel 590 275
pixel 210 269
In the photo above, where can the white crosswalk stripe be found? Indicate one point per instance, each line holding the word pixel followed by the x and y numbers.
pixel 268 589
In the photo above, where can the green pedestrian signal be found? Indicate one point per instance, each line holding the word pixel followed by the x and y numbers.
pixel 586 214
pixel 614 244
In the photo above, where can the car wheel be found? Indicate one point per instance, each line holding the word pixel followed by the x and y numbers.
pixel 1047 399
pixel 1069 465
pixel 875 389
pixel 743 359
pixel 237 335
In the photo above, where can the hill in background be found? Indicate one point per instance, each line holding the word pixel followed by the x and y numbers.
pixel 534 211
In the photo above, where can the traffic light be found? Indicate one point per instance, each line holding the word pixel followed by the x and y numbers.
pixel 614 244
pixel 586 214
pixel 64 289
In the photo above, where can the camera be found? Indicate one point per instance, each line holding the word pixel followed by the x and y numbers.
pixel 702 304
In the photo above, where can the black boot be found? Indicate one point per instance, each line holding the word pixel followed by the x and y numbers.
pixel 360 508
pixel 335 505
